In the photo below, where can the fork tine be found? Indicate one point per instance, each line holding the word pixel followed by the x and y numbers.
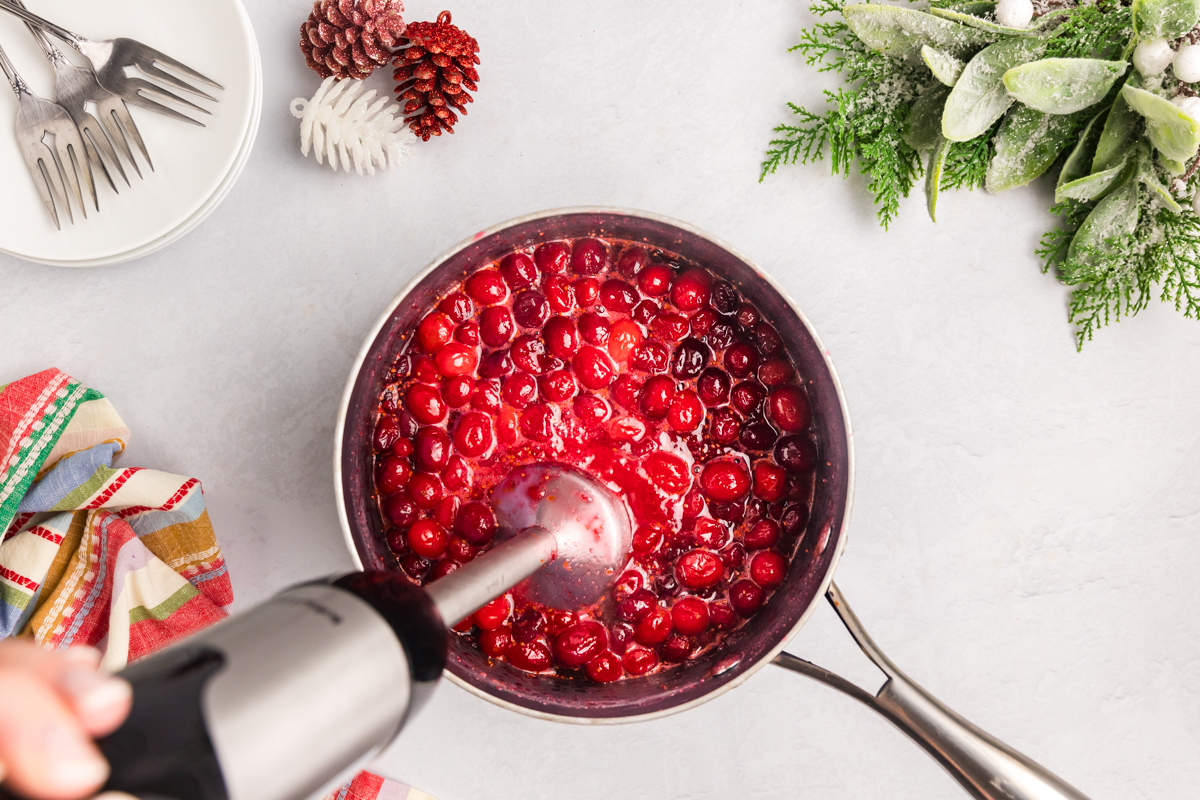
pixel 147 90
pixel 37 171
pixel 116 121
pixel 178 66
pixel 54 177
pixel 95 139
pixel 76 171
pixel 142 101
pixel 171 80
pixel 93 154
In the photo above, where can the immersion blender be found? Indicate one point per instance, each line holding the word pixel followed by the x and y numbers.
pixel 294 695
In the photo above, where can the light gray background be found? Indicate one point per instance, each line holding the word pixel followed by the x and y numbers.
pixel 1025 537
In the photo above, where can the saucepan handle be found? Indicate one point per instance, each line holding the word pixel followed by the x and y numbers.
pixel 987 768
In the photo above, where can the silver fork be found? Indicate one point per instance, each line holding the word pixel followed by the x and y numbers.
pixel 111 57
pixel 52 166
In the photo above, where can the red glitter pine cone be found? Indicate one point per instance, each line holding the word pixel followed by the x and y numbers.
pixel 350 38
pixel 435 72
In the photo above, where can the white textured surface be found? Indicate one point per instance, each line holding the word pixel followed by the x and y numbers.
pixel 1027 528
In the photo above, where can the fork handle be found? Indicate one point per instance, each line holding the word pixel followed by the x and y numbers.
pixel 52 53
pixel 10 72
pixel 45 24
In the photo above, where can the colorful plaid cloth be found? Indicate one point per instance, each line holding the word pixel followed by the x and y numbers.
pixel 122 559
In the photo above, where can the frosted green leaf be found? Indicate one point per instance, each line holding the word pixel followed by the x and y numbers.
pixel 1090 187
pixel 1025 146
pixel 1078 161
pixel 900 32
pixel 979 98
pixel 945 67
pixel 933 175
pixel 1063 85
pixel 1113 217
pixel 1172 132
pixel 1120 129
pixel 924 124
pixel 1171 165
pixel 1162 194
pixel 1164 19
pixel 1042 26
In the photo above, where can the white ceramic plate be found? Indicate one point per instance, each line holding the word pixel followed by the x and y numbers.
pixel 193 165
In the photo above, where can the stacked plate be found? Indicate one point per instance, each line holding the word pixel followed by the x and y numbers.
pixel 194 167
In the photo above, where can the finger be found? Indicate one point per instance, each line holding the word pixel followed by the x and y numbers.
pixel 101 702
pixel 47 753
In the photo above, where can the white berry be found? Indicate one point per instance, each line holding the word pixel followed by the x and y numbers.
pixel 1187 63
pixel 1014 13
pixel 1188 105
pixel 1152 56
pixel 1196 203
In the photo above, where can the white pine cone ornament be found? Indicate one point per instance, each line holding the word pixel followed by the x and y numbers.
pixel 350 38
pixel 346 127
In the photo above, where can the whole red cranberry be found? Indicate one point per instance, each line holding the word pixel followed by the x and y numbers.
pixel 794 519
pixel 656 396
pixel 560 294
pixel 637 606
pixel 672 327
pixel 457 391
pixel 486 396
pixel 425 403
pixel 789 409
pixel 456 359
pixel 531 309
pixel 529 353
pixel 580 643
pixel 626 429
pixel 796 453
pixel 587 292
pixel 476 523
pixel 594 328
pixel 507 423
pixel 520 390
pixel 710 533
pixel 713 387
pixel 668 472
pixel 686 413
pixel 768 568
pixel 557 386
pixel 747 315
pixel 458 306
pixel 518 270
pixel 623 338
pixel 426 490
pixel 427 538
pixel 592 410
pixel 496 326
pixel 588 257
pixel 703 320
pixel 690 359
pixel 699 569
pixel 593 368
pixel 401 510
pixel 457 474
pixel 528 625
pixel 769 481
pixel 645 311
pixel 776 372
pixel 474 435
pixel 747 398
pixel 655 280
pixel 397 541
pixel 530 656
pixel 605 668
pixel 724 426
pixel 386 432
pixel 722 615
pixel 620 636
pixel 725 298
pixel 629 582
pixel 756 435
pixel 496 643
pixel 425 370
pixel 647 538
pixel 734 556
pixel 762 535
pixel 562 337
pixel 404 447
pixel 690 615
pixel 434 331
pixel 416 567
pixel 496 364
pixel 653 628
pixel 617 295
pixel 691 289
pixel 746 598
pixel 487 287
pixel 677 648
pixel 627 391
pixel 767 339
pixel 741 359
pixel 432 449
pixel 639 661
pixel 650 356
pixel 458 549
pixel 394 473
pixel 537 422
pixel 631 261
pixel 552 257
pixel 558 620
pixel 724 480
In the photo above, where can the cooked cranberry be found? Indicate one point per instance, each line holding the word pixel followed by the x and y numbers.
pixel 580 643
pixel 691 289
pixel 432 449
pixel 653 628
pixel 426 403
pixel 425 370
pixel 690 615
pixel 427 538
pixel 486 396
pixel 722 615
pixel 587 292
pixel 529 354
pixel 631 261
pixel 487 287
pixel 699 569
pixel 725 426
pixel 474 436
pixel 668 472
pixel 719 335
pixel 734 556
pixel 496 326
pixel 794 519
pixel 394 473
pixel 592 410
pixel 537 422
pixel 747 315
pixel 645 311
pixel 588 257
pixel 655 280
pixel 746 598
pixel 769 481
pixel 686 413
pixel 416 566
pixel 496 643
pixel 386 432
pixel 496 364
pixel 557 386
pixel 397 541
pixel 520 390
pixel 620 636
pixel 776 372
pixel 639 661
pixel 426 490
pixel 617 295
pixel 507 423
pixel 637 606
pixel 457 547
pixel 594 328
pixel 677 648
pixel 724 480
pixel 476 523
pixel 401 510
pixel 732 510
pixel 741 359
pixel 756 435
pixel 529 656
pixel 627 391
pixel 724 297
pixel 518 270
pixel 552 257
pixel 703 320
pixel 650 356
pixel 768 568
pixel 560 294
pixel 788 408
pixel 434 331
pixel 456 359
pixel 605 668
pixel 764 534
pixel 710 533
pixel 690 359
pixel 457 391
pixel 647 539
pixel 562 337
pixel 457 474
pixel 665 586
pixel 767 339
pixel 558 620
pixel 404 447
pixel 629 582
pixel 593 367
pixel 623 338
pixel 528 625
pixel 457 306
pixel 747 397
pixel 713 387
pixel 656 396
pixel 626 429
pixel 672 327
pixel 796 453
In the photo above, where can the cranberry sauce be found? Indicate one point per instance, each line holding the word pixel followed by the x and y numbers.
pixel 654 376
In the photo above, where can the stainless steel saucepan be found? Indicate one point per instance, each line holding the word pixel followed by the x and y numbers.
pixel 985 767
